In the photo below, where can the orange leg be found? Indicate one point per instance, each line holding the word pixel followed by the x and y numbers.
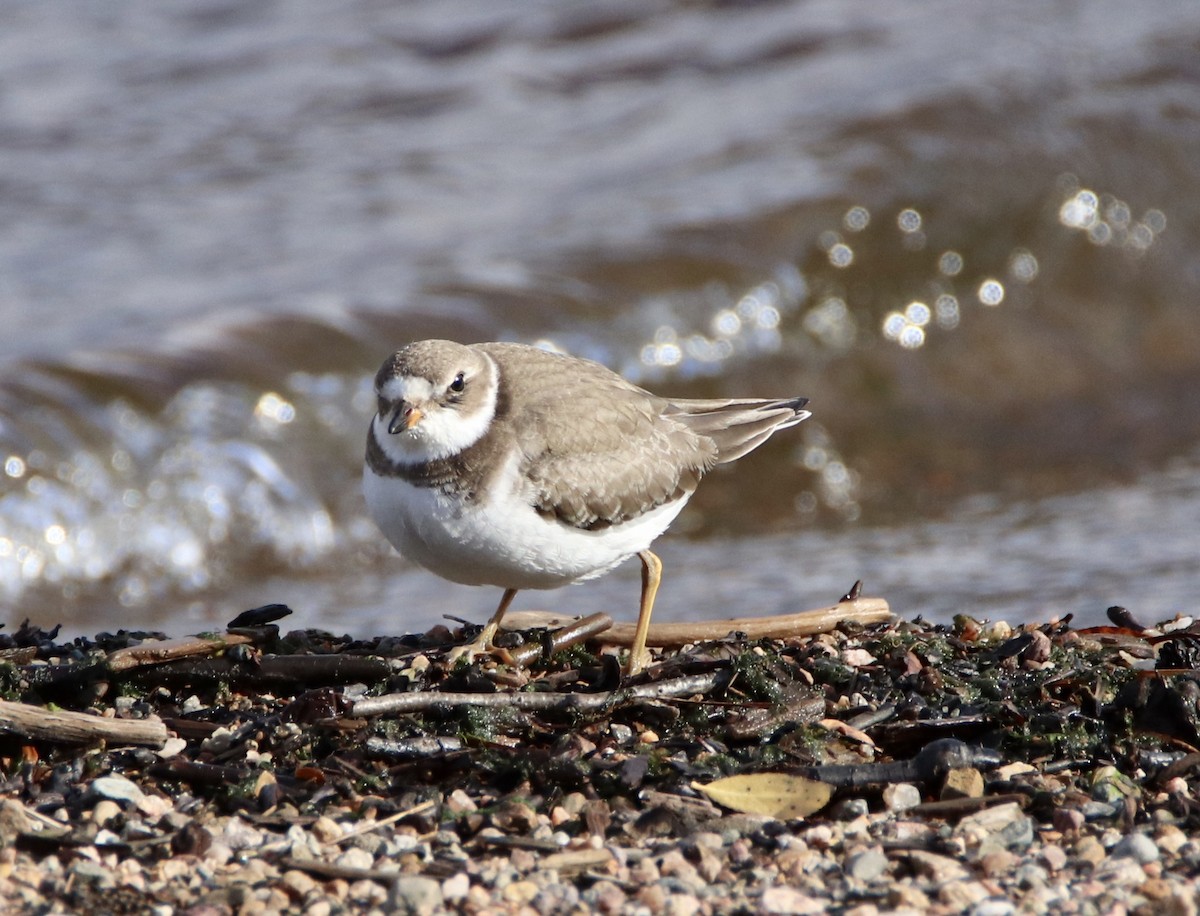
pixel 651 577
pixel 483 643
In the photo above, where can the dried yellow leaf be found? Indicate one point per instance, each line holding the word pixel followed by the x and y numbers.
pixel 774 794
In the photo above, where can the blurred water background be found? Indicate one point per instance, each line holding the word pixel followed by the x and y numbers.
pixel 969 231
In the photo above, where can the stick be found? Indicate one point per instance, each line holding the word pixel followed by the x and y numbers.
pixel 79 728
pixel 419 701
pixel 783 626
pixel 169 649
pixel 570 635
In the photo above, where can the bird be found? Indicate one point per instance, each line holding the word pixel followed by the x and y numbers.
pixel 509 465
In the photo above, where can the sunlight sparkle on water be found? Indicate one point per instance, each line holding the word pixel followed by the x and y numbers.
pixel 946 309
pixel 991 292
pixel 950 263
pixel 1023 265
pixel 841 255
pixel 856 219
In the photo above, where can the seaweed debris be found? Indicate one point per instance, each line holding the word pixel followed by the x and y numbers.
pixel 256 765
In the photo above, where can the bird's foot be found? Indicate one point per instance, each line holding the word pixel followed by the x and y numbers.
pixel 637 661
pixel 480 646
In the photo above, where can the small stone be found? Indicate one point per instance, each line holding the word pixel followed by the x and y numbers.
pixel 1068 820
pixel 417 894
pixel 867 865
pixel 106 837
pixel 116 788
pixel 1170 839
pixel 240 835
pixel 326 829
pixel 1038 649
pixel 604 896
pixel 996 631
pixel 996 862
pixel 298 884
pixel 455 887
pixel 849 809
pixel 858 658
pixel 788 900
pixel 653 897
pixel 622 734
pixel 1012 770
pixel 1031 875
pixel 1055 857
pixel 1138 847
pixel 459 802
pixel 939 868
pixel 519 893
pixel 105 811
pixel 900 796
pixel 1120 871
pixel 993 906
pixel 908 897
pixel 172 747
pixel 674 865
pixel 962 782
pixel 1089 850
pixel 355 858
pixel 961 895
pixel 1005 825
pixel 682 905
pixel 369 892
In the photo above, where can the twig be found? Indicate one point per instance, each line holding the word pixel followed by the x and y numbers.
pixel 167 650
pixel 66 727
pixel 783 626
pixel 331 871
pixel 419 701
pixel 383 822
pixel 562 638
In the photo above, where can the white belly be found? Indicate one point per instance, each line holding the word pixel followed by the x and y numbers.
pixel 501 541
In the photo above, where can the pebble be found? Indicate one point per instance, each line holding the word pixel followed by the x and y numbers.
pixel 415 895
pixel 105 811
pixel 455 887
pixel 789 900
pixel 116 788
pixel 962 782
pixel 849 809
pixel 901 796
pixel 1068 820
pixel 1138 847
pixel 1089 850
pixel 867 865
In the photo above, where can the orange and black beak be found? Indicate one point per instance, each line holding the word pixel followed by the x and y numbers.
pixel 405 417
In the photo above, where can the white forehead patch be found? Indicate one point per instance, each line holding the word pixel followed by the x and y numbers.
pixel 411 389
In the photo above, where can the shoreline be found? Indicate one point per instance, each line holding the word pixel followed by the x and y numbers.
pixel 255 771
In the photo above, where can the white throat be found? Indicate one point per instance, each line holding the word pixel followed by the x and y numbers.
pixel 442 431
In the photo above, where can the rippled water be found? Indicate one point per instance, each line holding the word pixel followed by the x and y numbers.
pixel 968 232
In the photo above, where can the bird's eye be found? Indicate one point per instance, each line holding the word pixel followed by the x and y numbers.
pixel 458 384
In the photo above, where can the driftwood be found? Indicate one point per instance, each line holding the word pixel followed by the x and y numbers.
pixel 783 626
pixel 400 703
pixel 65 727
pixel 154 653
pixel 562 638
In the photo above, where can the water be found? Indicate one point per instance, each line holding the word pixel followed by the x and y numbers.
pixel 964 230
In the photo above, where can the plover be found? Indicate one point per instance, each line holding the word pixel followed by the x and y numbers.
pixel 507 465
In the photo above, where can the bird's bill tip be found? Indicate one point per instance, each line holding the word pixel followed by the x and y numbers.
pixel 405 418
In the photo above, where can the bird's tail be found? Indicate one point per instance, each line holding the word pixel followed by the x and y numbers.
pixel 738 426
